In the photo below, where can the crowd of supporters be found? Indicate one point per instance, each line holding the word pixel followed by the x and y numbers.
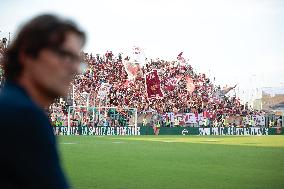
pixel 207 98
pixel 127 93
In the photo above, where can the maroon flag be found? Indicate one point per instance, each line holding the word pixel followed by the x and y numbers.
pixel 179 56
pixel 153 85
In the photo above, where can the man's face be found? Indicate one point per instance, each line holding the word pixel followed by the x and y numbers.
pixel 53 70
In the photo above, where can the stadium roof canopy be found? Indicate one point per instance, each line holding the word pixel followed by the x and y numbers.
pixel 273 90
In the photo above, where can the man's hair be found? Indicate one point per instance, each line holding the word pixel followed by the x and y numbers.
pixel 41 32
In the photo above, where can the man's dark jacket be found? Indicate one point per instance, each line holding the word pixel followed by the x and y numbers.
pixel 28 152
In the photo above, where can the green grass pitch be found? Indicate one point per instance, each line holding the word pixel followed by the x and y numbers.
pixel 173 162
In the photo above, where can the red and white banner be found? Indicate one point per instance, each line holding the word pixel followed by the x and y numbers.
pixel 189 84
pixel 171 82
pixel 153 85
pixel 131 69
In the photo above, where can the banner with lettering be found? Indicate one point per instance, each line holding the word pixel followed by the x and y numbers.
pixel 233 131
pixel 191 118
pixel 84 130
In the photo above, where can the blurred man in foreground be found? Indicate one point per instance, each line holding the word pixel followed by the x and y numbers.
pixel 39 66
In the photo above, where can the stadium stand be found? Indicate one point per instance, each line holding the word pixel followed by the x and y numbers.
pixel 206 98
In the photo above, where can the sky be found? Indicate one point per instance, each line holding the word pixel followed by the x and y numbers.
pixel 236 41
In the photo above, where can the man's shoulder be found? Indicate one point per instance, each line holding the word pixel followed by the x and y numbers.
pixel 14 95
pixel 15 105
pixel 14 100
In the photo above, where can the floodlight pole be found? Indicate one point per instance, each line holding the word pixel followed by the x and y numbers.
pixel 93 116
pixel 135 117
pixel 99 110
pixel 68 132
pixel 73 94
